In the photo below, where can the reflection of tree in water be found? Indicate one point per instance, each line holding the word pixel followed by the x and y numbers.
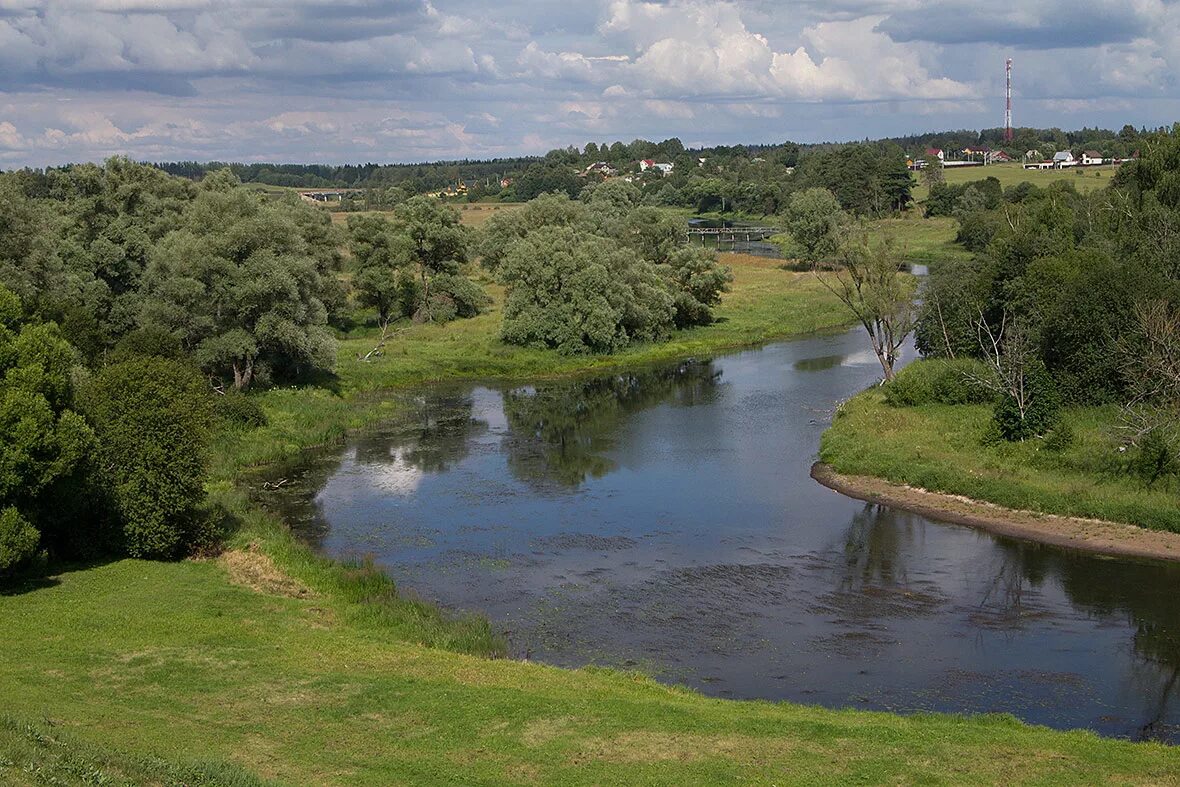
pixel 1141 593
pixel 562 433
pixel 875 547
pixel 435 434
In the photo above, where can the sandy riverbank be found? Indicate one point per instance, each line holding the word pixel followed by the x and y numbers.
pixel 1091 535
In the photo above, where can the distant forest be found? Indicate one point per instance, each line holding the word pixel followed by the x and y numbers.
pixel 437 175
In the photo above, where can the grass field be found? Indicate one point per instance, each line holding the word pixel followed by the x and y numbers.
pixel 941 448
pixel 1083 179
pixel 229 662
pixel 471 214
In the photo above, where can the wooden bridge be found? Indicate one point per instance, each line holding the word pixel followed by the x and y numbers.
pixel 731 235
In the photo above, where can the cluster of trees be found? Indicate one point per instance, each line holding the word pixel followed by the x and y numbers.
pixel 598 274
pixel 410 266
pixel 1071 298
pixel 134 309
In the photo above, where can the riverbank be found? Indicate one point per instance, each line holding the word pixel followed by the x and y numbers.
pixel 1089 535
pixel 944 449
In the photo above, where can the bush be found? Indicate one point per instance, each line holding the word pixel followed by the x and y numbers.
pixel 939 382
pixel 1041 414
pixel 1155 458
pixel 239 409
pixel 151 418
pixel 1061 438
pixel 18 540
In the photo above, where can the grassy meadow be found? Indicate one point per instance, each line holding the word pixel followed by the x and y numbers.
pixel 273 674
pixel 1083 178
pixel 942 448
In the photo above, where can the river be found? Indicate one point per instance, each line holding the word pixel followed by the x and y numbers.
pixel 664 520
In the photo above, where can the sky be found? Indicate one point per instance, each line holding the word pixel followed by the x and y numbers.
pixel 350 81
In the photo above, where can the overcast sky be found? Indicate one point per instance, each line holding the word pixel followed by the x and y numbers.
pixel 410 80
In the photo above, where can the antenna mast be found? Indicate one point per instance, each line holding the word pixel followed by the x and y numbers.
pixel 1008 100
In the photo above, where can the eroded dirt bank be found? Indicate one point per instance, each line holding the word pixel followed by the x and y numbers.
pixel 1091 535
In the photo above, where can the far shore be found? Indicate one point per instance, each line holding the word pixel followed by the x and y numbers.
pixel 1090 535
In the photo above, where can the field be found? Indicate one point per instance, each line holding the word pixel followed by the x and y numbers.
pixel 941 448
pixel 471 214
pixel 1084 179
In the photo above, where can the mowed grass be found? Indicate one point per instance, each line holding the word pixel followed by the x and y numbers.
pixel 177 661
pixel 941 448
pixel 925 241
pixel 1083 178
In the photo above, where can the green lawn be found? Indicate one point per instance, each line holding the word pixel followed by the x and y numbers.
pixel 176 661
pixel 941 448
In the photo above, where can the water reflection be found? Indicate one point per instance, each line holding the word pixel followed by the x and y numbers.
pixel 664 520
pixel 563 433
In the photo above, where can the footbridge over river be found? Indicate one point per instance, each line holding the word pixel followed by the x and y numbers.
pixel 733 237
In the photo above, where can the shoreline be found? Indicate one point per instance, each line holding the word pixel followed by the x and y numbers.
pixel 1087 535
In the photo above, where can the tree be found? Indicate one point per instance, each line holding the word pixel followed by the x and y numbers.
pixel 577 292
pixel 383 258
pixel 241 285
pixel 1028 405
pixel 151 418
pixel 869 282
pixel 814 218
pixel 438 248
pixel 698 282
pixel 505 227
pixel 1151 364
pixel 43 442
pixel 933 172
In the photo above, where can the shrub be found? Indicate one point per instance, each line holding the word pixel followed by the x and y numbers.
pixel 1061 438
pixel 239 409
pixel 18 540
pixel 939 382
pixel 1040 414
pixel 1155 458
pixel 151 420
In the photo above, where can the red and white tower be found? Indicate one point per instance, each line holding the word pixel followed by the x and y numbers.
pixel 1008 100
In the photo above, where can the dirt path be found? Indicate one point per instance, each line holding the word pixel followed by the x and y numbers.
pixel 1091 535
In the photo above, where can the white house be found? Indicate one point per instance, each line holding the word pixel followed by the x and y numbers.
pixel 1063 159
pixel 1091 158
pixel 665 169
pixel 936 153
pixel 646 164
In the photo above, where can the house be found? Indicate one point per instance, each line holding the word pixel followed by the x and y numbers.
pixel 1063 159
pixel 600 168
pixel 1091 158
pixel 999 157
pixel 935 153
pixel 665 169
pixel 505 182
pixel 646 164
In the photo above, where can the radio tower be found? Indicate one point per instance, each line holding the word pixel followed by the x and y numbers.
pixel 1008 100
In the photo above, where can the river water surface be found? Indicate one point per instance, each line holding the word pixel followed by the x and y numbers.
pixel 664 520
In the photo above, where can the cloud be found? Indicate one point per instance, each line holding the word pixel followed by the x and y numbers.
pixel 385 80
pixel 1049 24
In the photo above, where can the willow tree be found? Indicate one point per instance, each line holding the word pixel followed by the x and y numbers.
pixel 871 284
